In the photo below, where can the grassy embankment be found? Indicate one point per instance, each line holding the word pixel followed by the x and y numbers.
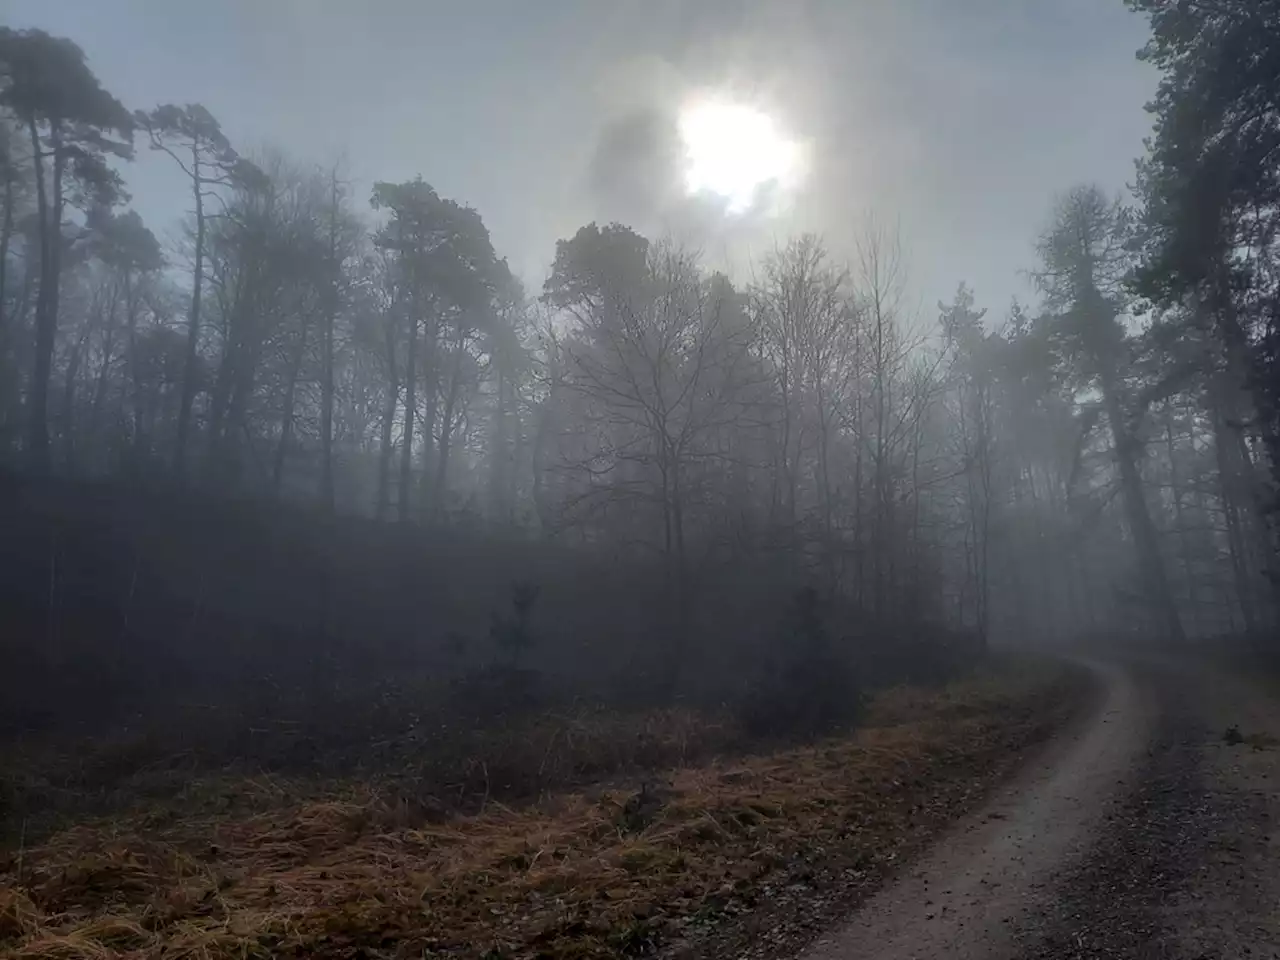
pixel 233 866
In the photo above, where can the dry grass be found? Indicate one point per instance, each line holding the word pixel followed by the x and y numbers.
pixel 581 874
pixel 188 766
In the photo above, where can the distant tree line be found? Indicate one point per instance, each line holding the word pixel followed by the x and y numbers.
pixel 1108 457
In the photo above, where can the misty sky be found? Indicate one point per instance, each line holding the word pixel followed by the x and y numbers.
pixel 960 119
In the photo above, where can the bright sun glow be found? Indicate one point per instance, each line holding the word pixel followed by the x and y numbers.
pixel 734 150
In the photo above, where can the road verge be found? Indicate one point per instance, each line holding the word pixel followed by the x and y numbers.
pixel 755 853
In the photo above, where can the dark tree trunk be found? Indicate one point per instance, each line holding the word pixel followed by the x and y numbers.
pixel 6 237
pixel 1236 547
pixel 100 387
pixel 446 431
pixel 223 385
pixel 388 421
pixel 431 394
pixel 326 416
pixel 1146 540
pixel 68 404
pixel 326 373
pixel 191 363
pixel 236 439
pixel 50 228
pixel 410 406
pixel 1176 491
pixel 287 413
pixel 384 454
pixel 131 362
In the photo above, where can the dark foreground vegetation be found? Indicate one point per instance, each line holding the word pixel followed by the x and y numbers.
pixel 221 864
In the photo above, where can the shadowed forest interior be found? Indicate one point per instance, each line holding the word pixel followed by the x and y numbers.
pixel 326 434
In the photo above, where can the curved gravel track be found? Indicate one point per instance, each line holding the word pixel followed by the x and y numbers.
pixel 1137 835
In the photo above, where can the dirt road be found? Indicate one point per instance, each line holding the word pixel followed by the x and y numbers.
pixel 1139 834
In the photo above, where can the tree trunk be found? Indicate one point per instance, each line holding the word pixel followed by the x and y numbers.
pixel 1249 494
pixel 326 417
pixel 541 439
pixel 131 362
pixel 684 604
pixel 1175 487
pixel 499 503
pixel 1151 564
pixel 243 378
pixel 1243 369
pixel 1228 486
pixel 446 430
pixel 1259 501
pixel 410 406
pixel 286 415
pixel 383 504
pixel 193 326
pixel 984 418
pixel 673 585
pixel 824 487
pixel 6 237
pixel 883 520
pixel 384 453
pixel 46 304
pixel 859 540
pixel 100 382
pixel 68 402
pixel 326 374
pixel 218 403
pixel 430 396
pixel 518 446
pixel 234 355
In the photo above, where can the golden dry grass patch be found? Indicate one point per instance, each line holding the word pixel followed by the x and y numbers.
pixel 573 876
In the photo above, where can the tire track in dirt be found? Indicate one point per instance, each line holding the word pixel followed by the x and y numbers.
pixel 973 895
pixel 1142 835
pixel 1115 902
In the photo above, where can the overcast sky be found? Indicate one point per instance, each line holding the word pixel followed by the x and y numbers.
pixel 957 119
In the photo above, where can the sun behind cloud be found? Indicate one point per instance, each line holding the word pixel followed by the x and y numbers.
pixel 736 151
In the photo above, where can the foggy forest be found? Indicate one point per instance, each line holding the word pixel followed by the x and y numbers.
pixel 307 485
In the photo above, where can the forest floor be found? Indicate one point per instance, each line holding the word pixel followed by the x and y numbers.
pixel 708 857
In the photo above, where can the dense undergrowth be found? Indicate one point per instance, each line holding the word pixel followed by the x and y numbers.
pixel 441 762
pixel 503 732
pixel 381 864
